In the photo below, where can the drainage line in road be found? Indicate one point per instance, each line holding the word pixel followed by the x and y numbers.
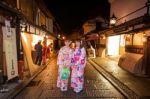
pixel 123 89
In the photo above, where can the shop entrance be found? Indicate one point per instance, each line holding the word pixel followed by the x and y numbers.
pixel 113 45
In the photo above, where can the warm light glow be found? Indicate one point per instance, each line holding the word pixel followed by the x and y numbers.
pixel 144 39
pixel 23 26
pixel 122 40
pixel 104 37
pixel 23 29
pixel 24 37
pixel 113 21
pixel 113 45
pixel 46 36
pixel 59 36
pixel 128 35
pixel 35 39
pixel 63 37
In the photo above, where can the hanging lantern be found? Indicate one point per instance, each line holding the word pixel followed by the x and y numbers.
pixel 113 20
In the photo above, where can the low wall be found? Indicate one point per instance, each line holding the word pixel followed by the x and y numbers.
pixel 133 63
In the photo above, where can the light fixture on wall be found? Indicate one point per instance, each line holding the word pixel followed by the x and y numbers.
pixel 113 20
pixel 23 27
pixel 144 38
pixel 63 38
pixel 58 35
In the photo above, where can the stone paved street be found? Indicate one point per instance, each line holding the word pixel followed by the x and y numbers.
pixel 44 86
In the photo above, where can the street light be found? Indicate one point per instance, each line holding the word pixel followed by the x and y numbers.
pixel 113 20
pixel 59 36
pixel 63 38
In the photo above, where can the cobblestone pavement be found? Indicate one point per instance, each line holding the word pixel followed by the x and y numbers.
pixel 44 86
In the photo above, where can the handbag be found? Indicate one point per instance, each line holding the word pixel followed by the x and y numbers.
pixel 65 73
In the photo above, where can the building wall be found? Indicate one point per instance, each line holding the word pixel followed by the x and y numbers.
pixel 103 41
pixel 138 39
pixel 35 11
pixel 122 8
pixel 26 7
pixel 12 2
pixel 42 19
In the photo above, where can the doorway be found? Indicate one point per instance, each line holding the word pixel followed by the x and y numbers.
pixel 113 45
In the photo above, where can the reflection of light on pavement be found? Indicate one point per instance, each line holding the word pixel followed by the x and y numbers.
pixel 114 69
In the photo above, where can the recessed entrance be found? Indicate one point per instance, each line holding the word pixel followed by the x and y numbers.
pixel 113 45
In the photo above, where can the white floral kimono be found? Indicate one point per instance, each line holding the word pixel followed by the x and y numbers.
pixel 64 59
pixel 77 75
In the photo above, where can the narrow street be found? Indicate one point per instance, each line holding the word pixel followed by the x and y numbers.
pixel 44 86
pixel 113 34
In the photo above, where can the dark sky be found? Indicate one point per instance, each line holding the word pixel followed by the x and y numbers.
pixel 71 14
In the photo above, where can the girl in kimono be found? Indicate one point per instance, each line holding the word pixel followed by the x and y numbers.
pixel 77 75
pixel 64 60
pixel 44 50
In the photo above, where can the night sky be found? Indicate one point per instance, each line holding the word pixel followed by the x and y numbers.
pixel 71 14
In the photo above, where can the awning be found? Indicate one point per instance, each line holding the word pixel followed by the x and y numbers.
pixel 91 37
pixel 136 24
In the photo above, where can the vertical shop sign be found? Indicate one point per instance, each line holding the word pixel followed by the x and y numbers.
pixel 8 28
pixel 9 48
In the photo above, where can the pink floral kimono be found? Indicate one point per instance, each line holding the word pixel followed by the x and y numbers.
pixel 64 59
pixel 77 75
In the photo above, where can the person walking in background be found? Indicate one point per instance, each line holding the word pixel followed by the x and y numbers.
pixel 77 75
pixel 64 61
pixel 44 51
pixel 38 53
pixel 49 50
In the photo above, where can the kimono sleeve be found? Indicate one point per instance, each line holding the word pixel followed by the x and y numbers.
pixel 83 57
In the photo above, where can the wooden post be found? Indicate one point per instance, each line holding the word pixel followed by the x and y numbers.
pixel 1 55
pixel 18 34
pixel 148 57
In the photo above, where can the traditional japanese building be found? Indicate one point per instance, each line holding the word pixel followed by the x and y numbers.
pixel 128 35
pixel 22 24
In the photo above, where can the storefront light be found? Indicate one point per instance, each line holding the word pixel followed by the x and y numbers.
pixel 144 39
pixel 103 37
pixel 59 36
pixel 144 34
pixel 47 36
pixel 23 28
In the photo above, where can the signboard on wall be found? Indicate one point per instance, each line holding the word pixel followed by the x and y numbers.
pixel 9 48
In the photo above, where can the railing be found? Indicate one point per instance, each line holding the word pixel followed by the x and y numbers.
pixel 134 49
pixel 137 13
